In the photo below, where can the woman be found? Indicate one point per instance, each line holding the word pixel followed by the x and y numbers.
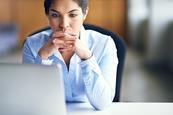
pixel 88 58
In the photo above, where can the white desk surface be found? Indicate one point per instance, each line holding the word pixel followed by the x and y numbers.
pixel 122 109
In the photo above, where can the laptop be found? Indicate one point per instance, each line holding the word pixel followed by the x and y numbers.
pixel 28 89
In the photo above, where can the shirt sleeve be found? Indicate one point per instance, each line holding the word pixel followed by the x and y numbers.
pixel 29 57
pixel 100 79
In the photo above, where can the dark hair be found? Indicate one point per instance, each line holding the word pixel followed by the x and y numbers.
pixel 82 3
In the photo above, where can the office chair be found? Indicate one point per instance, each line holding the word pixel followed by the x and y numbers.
pixel 121 51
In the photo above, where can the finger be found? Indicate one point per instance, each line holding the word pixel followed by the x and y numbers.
pixel 58 41
pixel 61 33
pixel 69 42
pixel 57 46
pixel 66 43
pixel 62 49
pixel 69 37
pixel 58 34
pixel 70 33
pixel 65 49
pixel 64 38
pixel 69 46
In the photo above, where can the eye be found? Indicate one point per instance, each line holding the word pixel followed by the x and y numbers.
pixel 73 15
pixel 54 15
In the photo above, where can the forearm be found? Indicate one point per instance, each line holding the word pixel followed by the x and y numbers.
pixel 99 94
pixel 33 58
pixel 98 90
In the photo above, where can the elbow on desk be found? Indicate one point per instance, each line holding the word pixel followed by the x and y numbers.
pixel 101 100
pixel 101 105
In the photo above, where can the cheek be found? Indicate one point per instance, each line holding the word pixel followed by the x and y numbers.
pixel 53 24
pixel 76 25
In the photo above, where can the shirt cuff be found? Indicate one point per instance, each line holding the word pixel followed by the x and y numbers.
pixel 39 60
pixel 90 63
pixel 84 63
pixel 89 66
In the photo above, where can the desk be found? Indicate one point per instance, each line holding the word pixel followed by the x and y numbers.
pixel 122 109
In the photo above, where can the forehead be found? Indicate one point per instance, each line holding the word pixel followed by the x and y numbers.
pixel 64 5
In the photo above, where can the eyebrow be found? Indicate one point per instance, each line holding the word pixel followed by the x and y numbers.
pixel 59 12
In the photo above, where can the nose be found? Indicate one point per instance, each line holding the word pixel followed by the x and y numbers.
pixel 64 23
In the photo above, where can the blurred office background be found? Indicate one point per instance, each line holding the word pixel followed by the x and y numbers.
pixel 145 25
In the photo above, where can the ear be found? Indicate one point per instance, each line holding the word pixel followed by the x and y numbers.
pixel 86 13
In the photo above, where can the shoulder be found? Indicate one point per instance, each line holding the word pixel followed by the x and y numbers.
pixel 96 35
pixel 40 35
pixel 98 38
pixel 100 44
pixel 39 38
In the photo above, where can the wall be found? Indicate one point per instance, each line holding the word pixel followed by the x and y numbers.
pixel 110 14
pixel 138 11
pixel 160 19
pixel 5 11
pixel 150 28
pixel 29 15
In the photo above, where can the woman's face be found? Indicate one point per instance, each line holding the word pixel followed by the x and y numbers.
pixel 66 16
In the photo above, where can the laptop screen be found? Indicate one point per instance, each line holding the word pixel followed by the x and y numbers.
pixel 27 89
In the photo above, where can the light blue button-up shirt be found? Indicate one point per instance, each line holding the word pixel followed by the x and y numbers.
pixel 90 80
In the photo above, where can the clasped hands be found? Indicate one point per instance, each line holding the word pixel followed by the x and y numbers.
pixel 65 42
